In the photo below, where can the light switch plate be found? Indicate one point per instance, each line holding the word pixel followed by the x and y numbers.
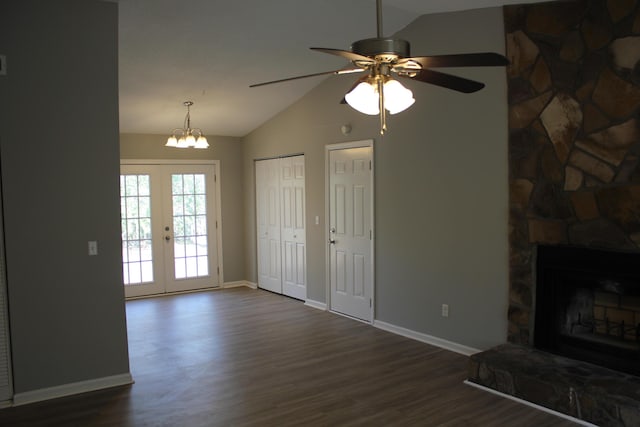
pixel 93 247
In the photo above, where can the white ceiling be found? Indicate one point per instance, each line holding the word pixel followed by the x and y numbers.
pixel 210 51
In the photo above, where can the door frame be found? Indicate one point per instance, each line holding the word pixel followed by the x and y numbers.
pixel 327 150
pixel 217 183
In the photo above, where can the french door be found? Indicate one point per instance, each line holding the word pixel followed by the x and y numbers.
pixel 170 239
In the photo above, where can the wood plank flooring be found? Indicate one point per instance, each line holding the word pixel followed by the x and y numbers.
pixel 241 357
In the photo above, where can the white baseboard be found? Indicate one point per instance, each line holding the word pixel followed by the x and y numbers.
pixel 428 339
pixel 240 283
pixel 533 405
pixel 71 388
pixel 316 304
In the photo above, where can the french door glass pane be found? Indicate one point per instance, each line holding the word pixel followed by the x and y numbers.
pixel 135 213
pixel 189 225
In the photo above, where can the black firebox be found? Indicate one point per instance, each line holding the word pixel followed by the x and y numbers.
pixel 588 305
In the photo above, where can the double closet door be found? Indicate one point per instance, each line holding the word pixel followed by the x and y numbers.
pixel 170 238
pixel 281 233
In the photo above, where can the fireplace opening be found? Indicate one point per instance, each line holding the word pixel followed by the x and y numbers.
pixel 588 306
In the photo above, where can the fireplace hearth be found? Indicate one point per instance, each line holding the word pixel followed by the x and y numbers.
pixel 587 306
pixel 585 358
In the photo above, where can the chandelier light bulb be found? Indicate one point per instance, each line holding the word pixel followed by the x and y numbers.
pixel 182 142
pixel 191 140
pixel 364 98
pixel 397 98
pixel 172 141
pixel 201 142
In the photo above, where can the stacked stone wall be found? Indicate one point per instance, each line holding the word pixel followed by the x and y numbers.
pixel 574 135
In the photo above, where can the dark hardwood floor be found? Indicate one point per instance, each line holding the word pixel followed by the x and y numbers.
pixel 241 357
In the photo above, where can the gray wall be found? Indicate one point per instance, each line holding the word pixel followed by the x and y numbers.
pixel 60 168
pixel 441 188
pixel 229 151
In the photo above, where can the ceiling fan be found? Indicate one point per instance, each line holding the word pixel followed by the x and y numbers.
pixel 377 92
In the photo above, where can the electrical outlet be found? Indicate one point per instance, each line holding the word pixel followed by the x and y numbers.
pixel 445 310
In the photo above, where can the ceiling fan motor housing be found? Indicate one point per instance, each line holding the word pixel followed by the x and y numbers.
pixel 376 47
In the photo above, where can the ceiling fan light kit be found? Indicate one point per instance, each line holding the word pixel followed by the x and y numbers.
pixel 188 137
pixel 365 96
pixel 378 92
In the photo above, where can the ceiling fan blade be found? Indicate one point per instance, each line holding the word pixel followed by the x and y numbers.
pixel 484 59
pixel 324 73
pixel 345 54
pixel 448 81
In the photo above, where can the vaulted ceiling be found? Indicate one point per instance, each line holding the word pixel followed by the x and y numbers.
pixel 210 51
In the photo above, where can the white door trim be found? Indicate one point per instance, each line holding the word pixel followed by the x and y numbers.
pixel 327 149
pixel 168 162
pixel 218 185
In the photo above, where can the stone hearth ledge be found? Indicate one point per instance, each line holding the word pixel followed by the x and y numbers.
pixel 582 390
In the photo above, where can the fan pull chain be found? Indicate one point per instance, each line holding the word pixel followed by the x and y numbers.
pixel 383 112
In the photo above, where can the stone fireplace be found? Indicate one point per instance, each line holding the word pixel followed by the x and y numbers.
pixel 574 137
pixel 574 200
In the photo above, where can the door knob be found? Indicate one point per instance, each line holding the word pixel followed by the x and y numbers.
pixel 332 241
pixel 167 238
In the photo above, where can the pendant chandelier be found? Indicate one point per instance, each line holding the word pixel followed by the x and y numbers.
pixel 186 137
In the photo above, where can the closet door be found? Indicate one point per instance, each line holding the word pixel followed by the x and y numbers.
pixel 6 390
pixel 268 225
pixel 294 283
pixel 281 235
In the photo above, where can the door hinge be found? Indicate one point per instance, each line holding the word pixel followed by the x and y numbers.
pixel 216 225
pixel 218 271
pixel 370 235
pixel 370 167
pixel 370 303
pixel 215 178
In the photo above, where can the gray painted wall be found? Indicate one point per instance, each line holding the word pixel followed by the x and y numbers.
pixel 229 151
pixel 60 168
pixel 441 187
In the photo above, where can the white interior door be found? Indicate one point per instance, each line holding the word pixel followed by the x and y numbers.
pixel 281 232
pixel 169 228
pixel 268 225
pixel 350 231
pixel 294 282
